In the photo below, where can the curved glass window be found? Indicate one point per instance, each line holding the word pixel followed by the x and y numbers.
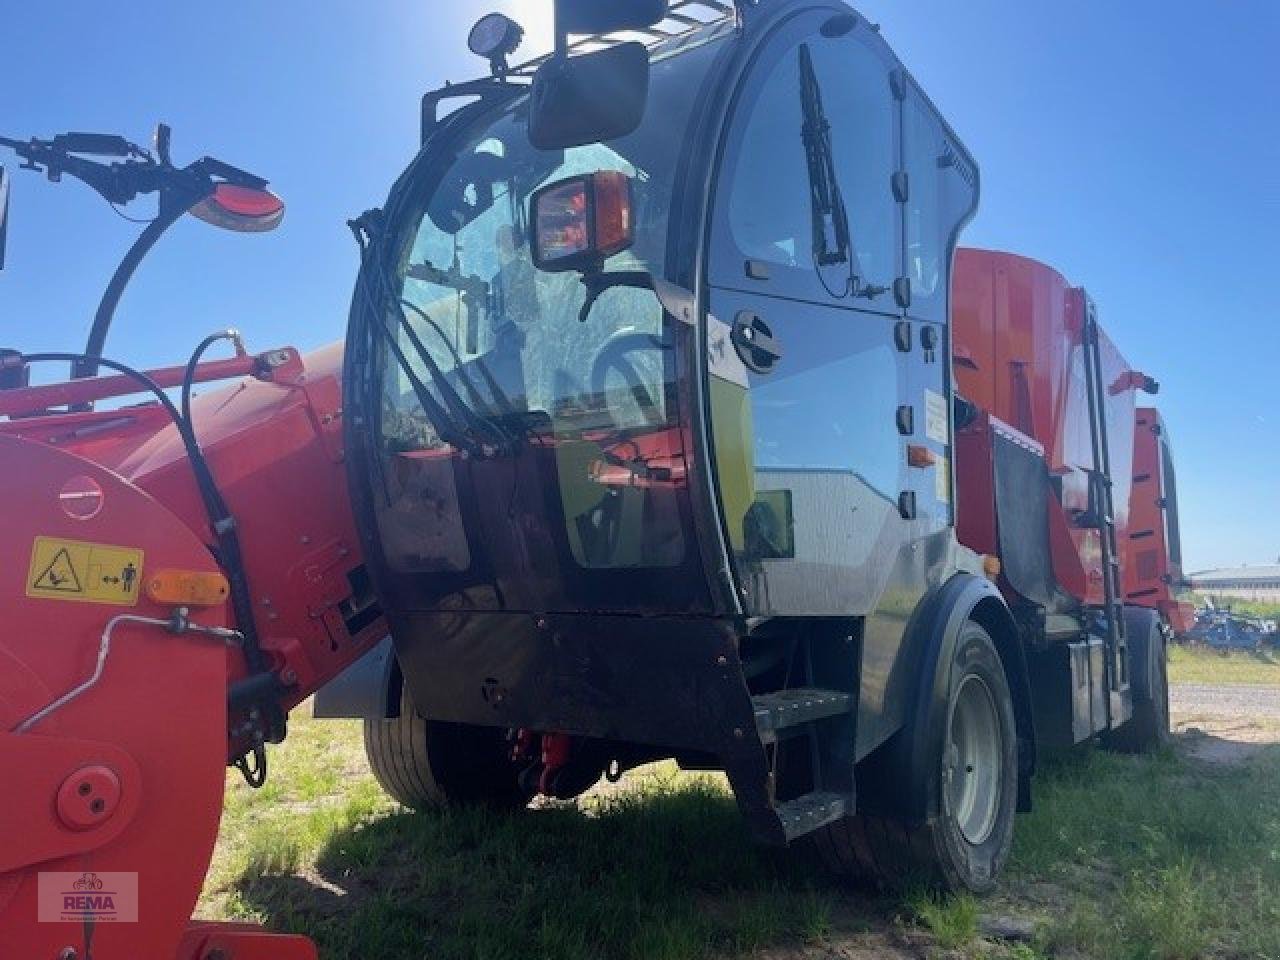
pixel 942 189
pixel 771 215
pixel 488 346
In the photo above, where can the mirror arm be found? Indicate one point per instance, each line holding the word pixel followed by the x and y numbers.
pixel 173 205
pixel 675 299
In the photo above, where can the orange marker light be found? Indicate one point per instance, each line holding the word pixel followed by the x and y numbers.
pixel 188 588
pixel 920 456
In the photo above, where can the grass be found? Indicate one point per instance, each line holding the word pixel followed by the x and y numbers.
pixel 1202 665
pixel 953 920
pixel 1123 859
pixel 662 869
pixel 1156 857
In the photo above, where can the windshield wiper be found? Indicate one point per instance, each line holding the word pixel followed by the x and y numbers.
pixel 830 220
pixel 832 237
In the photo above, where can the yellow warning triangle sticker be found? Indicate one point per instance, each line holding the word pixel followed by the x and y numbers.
pixel 59 575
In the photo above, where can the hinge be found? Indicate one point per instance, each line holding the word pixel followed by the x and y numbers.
pixel 902 336
pixel 901 186
pixel 902 291
pixel 898 83
pixel 907 504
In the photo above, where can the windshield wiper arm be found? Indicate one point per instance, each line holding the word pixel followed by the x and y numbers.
pixel 831 243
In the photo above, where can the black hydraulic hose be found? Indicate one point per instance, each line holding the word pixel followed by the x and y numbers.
pixel 189 375
pixel 146 382
pixel 443 421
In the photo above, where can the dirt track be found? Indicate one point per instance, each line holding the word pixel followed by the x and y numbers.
pixel 1234 700
pixel 1225 723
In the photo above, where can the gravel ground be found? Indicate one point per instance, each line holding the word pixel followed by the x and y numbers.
pixel 1234 700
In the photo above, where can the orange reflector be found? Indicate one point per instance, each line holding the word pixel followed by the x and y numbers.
pixel 991 566
pixel 920 456
pixel 188 588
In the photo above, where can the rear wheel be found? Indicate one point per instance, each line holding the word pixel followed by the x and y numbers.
pixel 971 797
pixel 428 763
pixel 1148 728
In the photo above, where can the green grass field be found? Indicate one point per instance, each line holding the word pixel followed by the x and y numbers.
pixel 1202 665
pixel 1123 858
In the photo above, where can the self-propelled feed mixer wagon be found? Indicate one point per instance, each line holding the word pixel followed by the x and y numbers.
pixel 670 423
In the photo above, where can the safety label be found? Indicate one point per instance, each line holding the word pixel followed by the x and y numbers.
pixel 936 426
pixel 85 572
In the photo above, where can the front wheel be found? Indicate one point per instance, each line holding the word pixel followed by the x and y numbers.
pixel 428 763
pixel 971 796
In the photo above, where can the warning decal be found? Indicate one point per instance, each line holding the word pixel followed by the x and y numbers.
pixel 936 426
pixel 85 572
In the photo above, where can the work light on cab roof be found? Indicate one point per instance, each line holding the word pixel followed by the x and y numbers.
pixel 495 37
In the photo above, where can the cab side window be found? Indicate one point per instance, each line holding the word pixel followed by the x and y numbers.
pixel 773 212
pixel 941 191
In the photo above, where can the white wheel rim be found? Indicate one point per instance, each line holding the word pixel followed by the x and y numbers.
pixel 972 769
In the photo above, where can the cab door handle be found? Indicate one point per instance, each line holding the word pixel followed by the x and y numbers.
pixel 755 343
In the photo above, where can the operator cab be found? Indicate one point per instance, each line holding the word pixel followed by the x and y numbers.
pixel 649 364
pixel 575 403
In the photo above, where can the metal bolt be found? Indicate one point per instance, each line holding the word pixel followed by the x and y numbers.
pixel 289 676
pixel 722 661
pixel 737 732
pixel 304 539
pixel 67 953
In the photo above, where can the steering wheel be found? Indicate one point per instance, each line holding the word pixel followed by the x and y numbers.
pixel 613 354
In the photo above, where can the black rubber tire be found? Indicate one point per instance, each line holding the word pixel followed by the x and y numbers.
pixel 427 763
pixel 1148 729
pixel 894 854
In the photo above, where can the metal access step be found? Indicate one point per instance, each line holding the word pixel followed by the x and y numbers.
pixel 785 711
pixel 812 811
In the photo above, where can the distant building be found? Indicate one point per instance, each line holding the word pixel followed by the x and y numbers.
pixel 1260 584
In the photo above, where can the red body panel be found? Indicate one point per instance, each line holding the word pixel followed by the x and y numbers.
pixel 156 720
pixel 1016 341
pixel 1152 568
pixel 1017 329
pixel 158 717
pixel 275 448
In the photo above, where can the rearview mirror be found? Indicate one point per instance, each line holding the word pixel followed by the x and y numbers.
pixel 590 98
pixel 4 212
pixel 593 16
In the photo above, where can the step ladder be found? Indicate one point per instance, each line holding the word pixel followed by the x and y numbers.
pixel 811 712
pixel 1101 516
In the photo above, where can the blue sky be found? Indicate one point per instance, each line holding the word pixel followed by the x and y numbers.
pixel 1135 146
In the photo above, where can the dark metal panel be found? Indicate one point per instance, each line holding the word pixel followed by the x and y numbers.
pixel 1022 501
pixel 661 681
pixel 361 690
pixel 675 684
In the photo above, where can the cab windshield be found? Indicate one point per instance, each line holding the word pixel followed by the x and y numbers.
pixel 497 341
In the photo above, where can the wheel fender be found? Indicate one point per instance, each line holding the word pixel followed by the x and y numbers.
pixel 899 779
